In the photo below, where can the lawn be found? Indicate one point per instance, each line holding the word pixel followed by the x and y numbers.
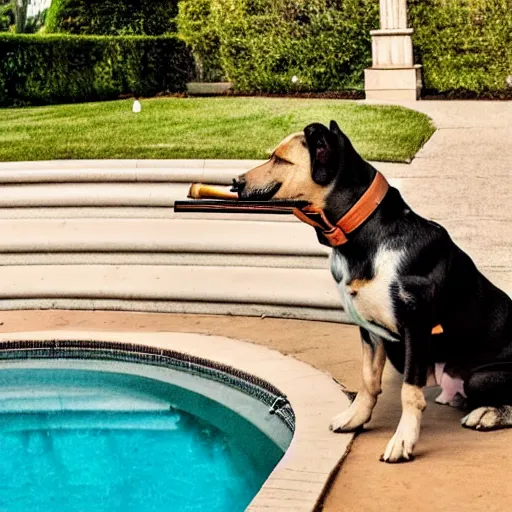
pixel 201 128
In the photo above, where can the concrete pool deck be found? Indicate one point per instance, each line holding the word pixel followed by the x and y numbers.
pixel 314 454
pixel 455 468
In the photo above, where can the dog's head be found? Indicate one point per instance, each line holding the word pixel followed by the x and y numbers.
pixel 304 167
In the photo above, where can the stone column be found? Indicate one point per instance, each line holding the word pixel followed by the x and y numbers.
pixel 393 75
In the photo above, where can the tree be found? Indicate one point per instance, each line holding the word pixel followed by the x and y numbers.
pixel 112 17
pixel 20 13
pixel 6 15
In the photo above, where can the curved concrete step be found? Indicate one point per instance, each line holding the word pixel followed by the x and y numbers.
pixel 158 235
pixel 181 307
pixel 176 171
pixel 92 171
pixel 92 194
pixel 128 212
pixel 163 258
pixel 122 175
pixel 313 288
pixel 188 163
pixel 96 234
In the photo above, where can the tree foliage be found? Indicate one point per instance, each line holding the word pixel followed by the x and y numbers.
pixel 262 44
pixel 464 45
pixel 7 16
pixel 112 17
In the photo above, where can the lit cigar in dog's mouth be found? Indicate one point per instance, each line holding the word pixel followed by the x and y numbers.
pixel 202 191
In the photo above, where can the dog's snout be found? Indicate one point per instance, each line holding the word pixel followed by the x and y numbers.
pixel 238 184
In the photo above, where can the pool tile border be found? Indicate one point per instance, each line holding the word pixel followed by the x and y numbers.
pixel 136 353
pixel 300 479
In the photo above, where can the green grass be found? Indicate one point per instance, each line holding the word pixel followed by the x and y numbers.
pixel 201 128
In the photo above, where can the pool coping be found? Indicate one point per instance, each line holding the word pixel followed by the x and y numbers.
pixel 302 476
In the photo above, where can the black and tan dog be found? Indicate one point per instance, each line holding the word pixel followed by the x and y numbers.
pixel 417 297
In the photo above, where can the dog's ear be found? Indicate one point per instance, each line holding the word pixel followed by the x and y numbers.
pixel 333 126
pixel 324 151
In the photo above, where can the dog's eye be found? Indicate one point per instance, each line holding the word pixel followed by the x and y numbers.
pixel 279 160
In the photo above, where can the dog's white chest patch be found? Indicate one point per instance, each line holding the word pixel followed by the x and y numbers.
pixel 369 301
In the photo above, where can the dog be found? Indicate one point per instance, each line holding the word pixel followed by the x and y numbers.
pixel 417 298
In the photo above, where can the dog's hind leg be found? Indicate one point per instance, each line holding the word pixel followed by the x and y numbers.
pixel 489 391
pixel 360 411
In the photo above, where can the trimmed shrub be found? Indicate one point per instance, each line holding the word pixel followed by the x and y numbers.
pixel 6 15
pixel 58 69
pixel 464 45
pixel 112 17
pixel 196 25
pixel 262 44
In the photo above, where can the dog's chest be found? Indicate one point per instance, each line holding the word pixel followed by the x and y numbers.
pixel 369 302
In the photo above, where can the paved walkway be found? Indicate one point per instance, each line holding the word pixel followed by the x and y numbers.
pixel 462 178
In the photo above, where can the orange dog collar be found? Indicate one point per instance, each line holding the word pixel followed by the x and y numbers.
pixel 355 217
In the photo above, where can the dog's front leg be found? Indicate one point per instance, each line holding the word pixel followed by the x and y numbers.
pixel 360 411
pixel 400 447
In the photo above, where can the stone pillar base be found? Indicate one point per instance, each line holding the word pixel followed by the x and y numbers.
pixel 393 83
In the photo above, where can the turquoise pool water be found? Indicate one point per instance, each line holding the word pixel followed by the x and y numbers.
pixel 94 441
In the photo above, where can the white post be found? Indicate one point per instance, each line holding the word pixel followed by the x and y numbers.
pixel 393 75
pixel 393 14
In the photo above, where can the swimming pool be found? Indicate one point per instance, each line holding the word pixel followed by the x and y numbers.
pixel 86 430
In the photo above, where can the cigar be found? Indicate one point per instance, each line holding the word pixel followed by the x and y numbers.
pixel 201 191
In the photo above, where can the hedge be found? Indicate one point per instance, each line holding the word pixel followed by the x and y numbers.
pixel 262 44
pixel 112 17
pixel 464 45
pixel 58 69
pixel 196 24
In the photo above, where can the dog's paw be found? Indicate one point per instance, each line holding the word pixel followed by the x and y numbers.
pixel 484 418
pixel 401 445
pixel 399 449
pixel 347 421
pixel 359 413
